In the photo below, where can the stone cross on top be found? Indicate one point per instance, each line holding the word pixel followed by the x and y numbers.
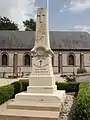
pixel 41 15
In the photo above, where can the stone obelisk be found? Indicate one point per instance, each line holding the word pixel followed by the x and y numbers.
pixel 42 77
pixel 42 80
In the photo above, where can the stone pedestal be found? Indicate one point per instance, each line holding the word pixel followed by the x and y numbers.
pixel 42 80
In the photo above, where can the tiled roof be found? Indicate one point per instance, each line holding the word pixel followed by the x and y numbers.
pixel 58 40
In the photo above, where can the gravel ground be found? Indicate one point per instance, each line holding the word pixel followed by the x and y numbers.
pixel 65 114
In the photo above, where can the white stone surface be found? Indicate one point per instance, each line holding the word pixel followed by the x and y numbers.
pixel 42 34
pixel 42 89
pixel 42 75
pixel 14 114
pixel 42 71
pixel 57 97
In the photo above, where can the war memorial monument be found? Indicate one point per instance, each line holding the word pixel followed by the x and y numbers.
pixel 42 101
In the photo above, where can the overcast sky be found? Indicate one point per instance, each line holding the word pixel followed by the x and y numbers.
pixel 63 14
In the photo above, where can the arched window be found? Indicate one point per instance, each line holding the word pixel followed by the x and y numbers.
pixel 27 60
pixel 71 59
pixel 4 60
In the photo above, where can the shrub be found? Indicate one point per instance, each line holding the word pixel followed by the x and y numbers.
pixel 17 88
pixel 81 70
pixel 68 87
pixel 81 109
pixel 6 93
pixel 24 84
pixel 20 86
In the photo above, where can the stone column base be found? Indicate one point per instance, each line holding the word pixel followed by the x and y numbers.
pixel 57 97
pixel 42 89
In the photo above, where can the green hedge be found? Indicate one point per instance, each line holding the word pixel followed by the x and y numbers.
pixel 68 86
pixel 7 92
pixel 81 109
pixel 20 86
pixel 16 86
pixel 23 85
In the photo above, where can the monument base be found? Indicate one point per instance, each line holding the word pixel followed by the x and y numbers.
pixel 35 106
pixel 57 97
pixel 42 80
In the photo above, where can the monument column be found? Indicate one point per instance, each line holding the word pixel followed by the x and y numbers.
pixel 60 63
pixel 42 53
pixel 42 85
pixel 15 64
pixel 81 60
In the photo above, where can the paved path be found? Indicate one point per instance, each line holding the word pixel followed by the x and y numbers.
pixel 83 79
pixel 4 81
pixel 59 79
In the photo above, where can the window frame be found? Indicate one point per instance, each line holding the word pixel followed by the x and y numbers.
pixel 5 53
pixel 74 58
pixel 24 59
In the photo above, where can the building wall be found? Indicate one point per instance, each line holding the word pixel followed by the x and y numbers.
pixel 8 70
pixel 87 61
pixel 69 69
pixel 66 69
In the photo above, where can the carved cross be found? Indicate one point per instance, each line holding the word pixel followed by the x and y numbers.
pixel 40 62
pixel 40 16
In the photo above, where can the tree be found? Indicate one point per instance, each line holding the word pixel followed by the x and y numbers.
pixel 7 24
pixel 30 25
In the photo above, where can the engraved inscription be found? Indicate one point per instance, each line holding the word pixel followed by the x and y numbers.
pixel 41 69
pixel 40 66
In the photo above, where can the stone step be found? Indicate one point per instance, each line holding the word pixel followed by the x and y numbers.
pixel 14 114
pixel 26 105
pixel 57 97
